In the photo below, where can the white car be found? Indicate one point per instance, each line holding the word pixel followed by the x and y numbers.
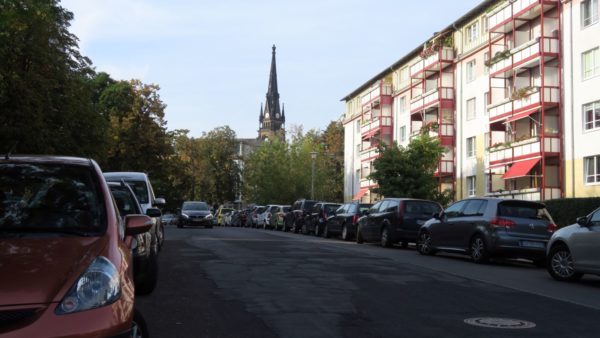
pixel 575 250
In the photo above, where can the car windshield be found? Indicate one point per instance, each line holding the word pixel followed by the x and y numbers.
pixel 198 206
pixel 50 198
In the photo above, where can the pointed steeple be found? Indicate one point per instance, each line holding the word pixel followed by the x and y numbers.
pixel 261 117
pixel 273 78
pixel 271 119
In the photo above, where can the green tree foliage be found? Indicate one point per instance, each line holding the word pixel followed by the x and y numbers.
pixel 45 84
pixel 267 174
pixel 221 177
pixel 409 172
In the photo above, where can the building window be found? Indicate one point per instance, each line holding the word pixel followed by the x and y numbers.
pixel 592 169
pixel 403 134
pixel 471 186
pixel 472 33
pixel 471 70
pixel 403 77
pixel 484 25
pixel 591 115
pixel 591 63
pixel 589 12
pixel 471 146
pixel 471 109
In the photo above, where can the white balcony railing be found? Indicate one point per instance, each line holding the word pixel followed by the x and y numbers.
pixel 528 194
pixel 527 51
pixel 551 95
pixel 368 154
pixel 445 167
pixel 431 97
pixel 504 13
pixel 385 121
pixel 444 54
pixel 524 148
pixel 366 183
pixel 375 93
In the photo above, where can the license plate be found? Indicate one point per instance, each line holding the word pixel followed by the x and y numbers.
pixel 529 244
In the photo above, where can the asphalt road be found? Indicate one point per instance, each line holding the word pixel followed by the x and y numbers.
pixel 239 282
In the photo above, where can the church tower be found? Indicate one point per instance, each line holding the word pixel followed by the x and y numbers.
pixel 272 118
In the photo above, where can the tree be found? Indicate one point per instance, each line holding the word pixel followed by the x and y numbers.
pixel 221 177
pixel 45 87
pixel 267 174
pixel 409 172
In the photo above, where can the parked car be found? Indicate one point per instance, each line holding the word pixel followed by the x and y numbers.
pixel 195 213
pixel 264 218
pixel 319 214
pixel 140 183
pixel 278 216
pixel 256 211
pixel 221 213
pixel 487 227
pixel 227 217
pixel 345 220
pixel 66 266
pixel 575 250
pixel 395 220
pixel 297 217
pixel 169 219
pixel 144 248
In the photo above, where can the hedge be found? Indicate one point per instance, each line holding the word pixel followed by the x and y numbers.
pixel 565 211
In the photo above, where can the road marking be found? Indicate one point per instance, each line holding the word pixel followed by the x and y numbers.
pixel 500 323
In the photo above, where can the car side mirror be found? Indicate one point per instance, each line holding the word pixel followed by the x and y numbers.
pixel 153 212
pixel 436 215
pixel 137 224
pixel 365 212
pixel 159 201
pixel 583 221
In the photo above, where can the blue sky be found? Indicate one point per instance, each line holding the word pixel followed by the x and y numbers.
pixel 212 58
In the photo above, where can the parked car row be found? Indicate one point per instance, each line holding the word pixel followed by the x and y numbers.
pixel 481 228
pixel 73 247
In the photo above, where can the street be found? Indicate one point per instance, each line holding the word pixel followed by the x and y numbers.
pixel 239 282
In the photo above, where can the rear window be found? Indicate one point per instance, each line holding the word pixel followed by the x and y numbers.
pixel 50 198
pixel 308 205
pixel 524 210
pixel 140 189
pixel 126 204
pixel 330 208
pixel 421 208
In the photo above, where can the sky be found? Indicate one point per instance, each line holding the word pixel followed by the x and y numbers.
pixel 211 59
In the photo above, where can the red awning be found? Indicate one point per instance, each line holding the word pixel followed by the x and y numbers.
pixel 520 169
pixel 523 114
pixel 360 194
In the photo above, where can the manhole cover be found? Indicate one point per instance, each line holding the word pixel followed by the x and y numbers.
pixel 500 323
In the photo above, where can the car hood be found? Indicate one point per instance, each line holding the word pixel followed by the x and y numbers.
pixel 196 212
pixel 566 231
pixel 35 270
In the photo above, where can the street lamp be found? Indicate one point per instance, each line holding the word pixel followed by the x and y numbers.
pixel 313 156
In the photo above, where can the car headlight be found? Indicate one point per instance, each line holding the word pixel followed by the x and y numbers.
pixel 98 286
pixel 209 216
pixel 185 215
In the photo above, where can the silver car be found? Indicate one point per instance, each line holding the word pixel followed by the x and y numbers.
pixel 575 249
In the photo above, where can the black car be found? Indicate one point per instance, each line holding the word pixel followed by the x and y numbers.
pixel 298 215
pixel 394 220
pixel 486 227
pixel 345 220
pixel 318 217
pixel 195 213
pixel 144 248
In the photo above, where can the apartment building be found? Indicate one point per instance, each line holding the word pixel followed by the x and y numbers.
pixel 508 89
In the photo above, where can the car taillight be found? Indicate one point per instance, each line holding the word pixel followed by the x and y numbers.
pixel 551 228
pixel 502 223
pixel 354 219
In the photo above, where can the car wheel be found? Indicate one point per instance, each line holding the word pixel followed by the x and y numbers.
pixel 478 250
pixel 404 244
pixel 139 329
pixel 424 244
pixel 304 229
pixel 386 241
pixel 345 234
pixel 283 228
pixel 317 230
pixel 359 239
pixel 326 232
pixel 560 264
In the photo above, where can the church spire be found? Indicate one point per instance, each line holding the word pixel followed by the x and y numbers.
pixel 271 119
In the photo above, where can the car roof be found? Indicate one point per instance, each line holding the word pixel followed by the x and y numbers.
pixel 128 175
pixel 43 159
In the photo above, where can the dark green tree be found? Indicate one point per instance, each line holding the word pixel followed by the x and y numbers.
pixel 45 84
pixel 409 172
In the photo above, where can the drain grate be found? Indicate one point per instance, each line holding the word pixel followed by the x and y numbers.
pixel 500 323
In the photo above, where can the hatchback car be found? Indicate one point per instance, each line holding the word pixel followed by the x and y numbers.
pixel 394 220
pixel 145 251
pixel 318 217
pixel 64 248
pixel 299 214
pixel 140 183
pixel 486 227
pixel 345 220
pixel 195 213
pixel 575 250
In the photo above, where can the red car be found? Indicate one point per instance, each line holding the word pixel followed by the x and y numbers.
pixel 64 260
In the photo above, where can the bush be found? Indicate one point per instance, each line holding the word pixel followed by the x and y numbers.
pixel 565 211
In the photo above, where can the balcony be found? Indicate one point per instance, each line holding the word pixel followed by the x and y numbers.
pixel 499 19
pixel 378 124
pixel 369 154
pixel 529 194
pixel 364 183
pixel 526 56
pixel 531 101
pixel 433 98
pixel 508 153
pixel 376 93
pixel 434 62
pixel 445 168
